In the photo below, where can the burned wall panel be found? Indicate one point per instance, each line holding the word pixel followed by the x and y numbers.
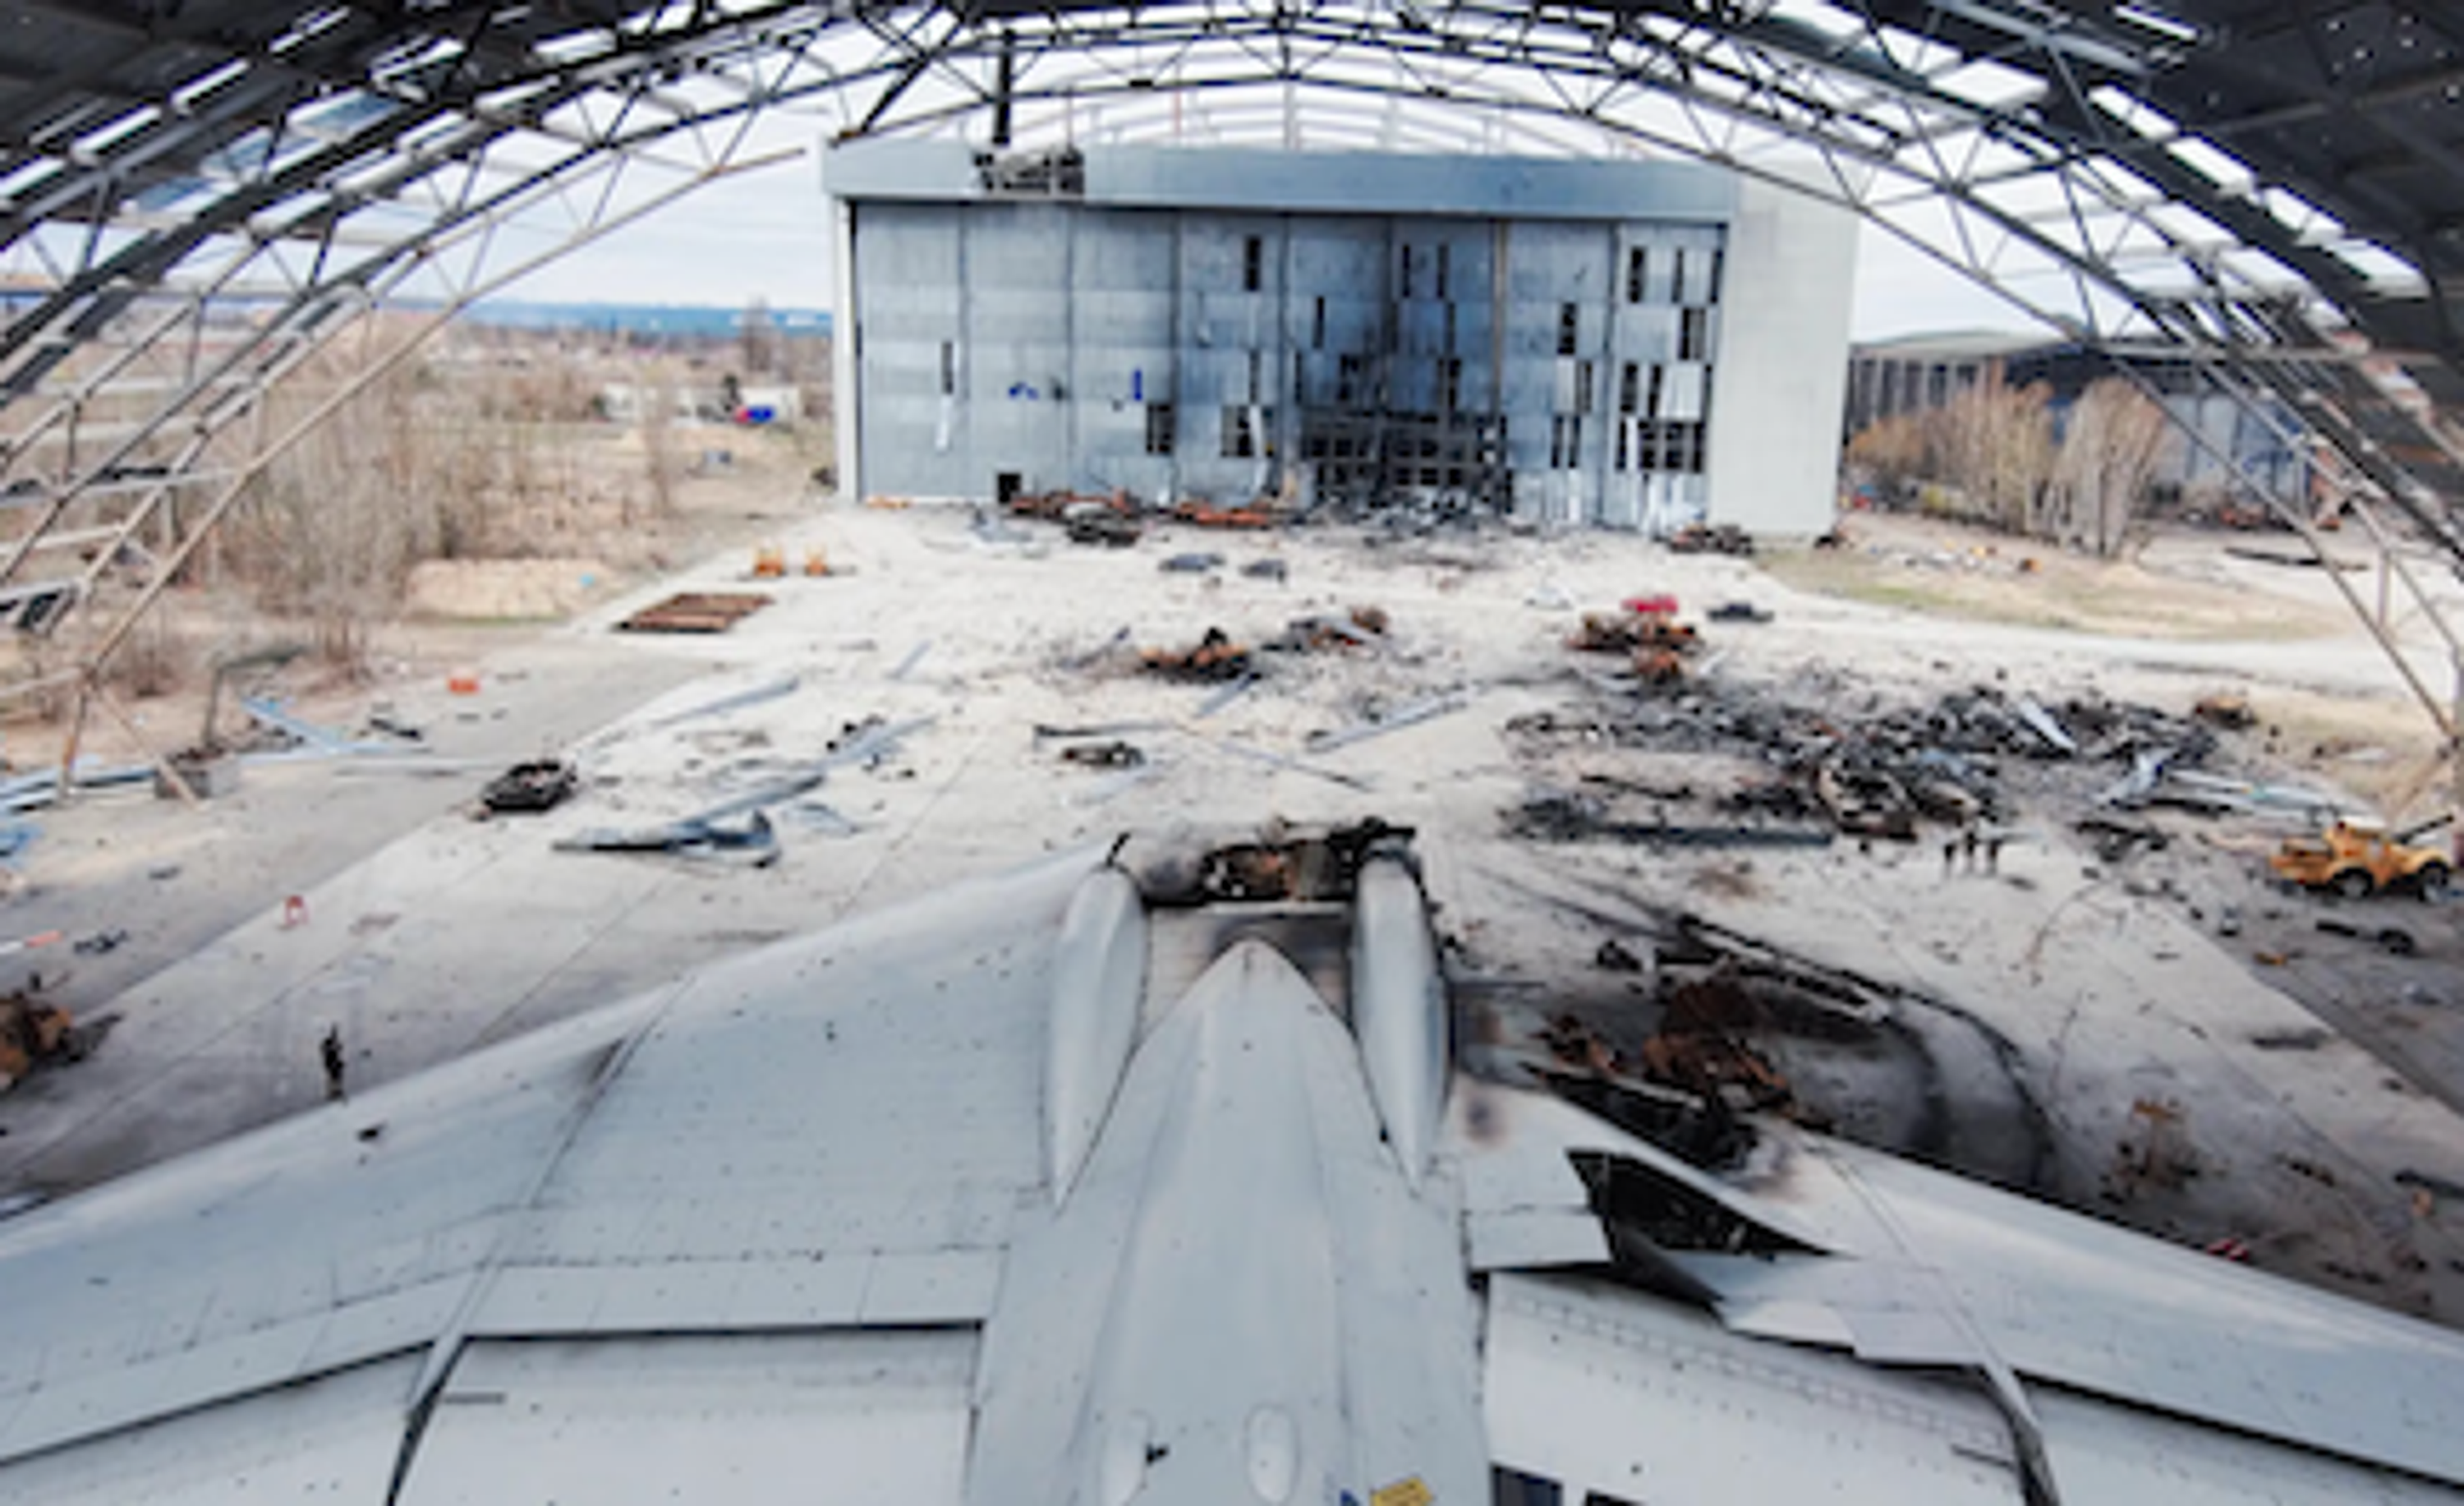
pixel 1207 324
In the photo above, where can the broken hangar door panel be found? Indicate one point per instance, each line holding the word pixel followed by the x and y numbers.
pixel 843 1418
pixel 1613 1394
pixel 331 1439
pixel 1022 345
pixel 1121 313
pixel 911 356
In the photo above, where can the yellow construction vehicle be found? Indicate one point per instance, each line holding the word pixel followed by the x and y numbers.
pixel 2359 858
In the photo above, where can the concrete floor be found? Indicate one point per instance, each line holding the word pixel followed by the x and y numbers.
pixel 429 934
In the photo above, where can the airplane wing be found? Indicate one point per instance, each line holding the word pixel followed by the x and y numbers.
pixel 745 1228
pixel 960 1204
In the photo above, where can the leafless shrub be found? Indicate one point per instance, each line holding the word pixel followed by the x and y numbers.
pixel 1895 452
pixel 156 659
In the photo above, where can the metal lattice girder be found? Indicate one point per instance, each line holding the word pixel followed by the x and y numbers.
pixel 2164 173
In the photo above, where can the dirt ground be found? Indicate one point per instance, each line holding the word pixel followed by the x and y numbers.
pixel 2158 1036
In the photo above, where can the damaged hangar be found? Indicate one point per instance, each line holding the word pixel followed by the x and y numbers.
pixel 1624 345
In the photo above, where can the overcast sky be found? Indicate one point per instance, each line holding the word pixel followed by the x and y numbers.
pixel 767 236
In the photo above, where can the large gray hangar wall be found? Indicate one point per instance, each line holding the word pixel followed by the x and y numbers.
pixel 1544 335
pixel 1774 437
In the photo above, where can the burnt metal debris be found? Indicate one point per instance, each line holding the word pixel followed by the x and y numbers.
pixel 1878 772
pixel 529 787
pixel 1114 754
pixel 1316 865
pixel 1213 657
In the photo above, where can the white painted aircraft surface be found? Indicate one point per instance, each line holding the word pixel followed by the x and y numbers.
pixel 1000 1199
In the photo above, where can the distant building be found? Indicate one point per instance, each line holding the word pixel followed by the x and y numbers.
pixel 1625 344
pixel 1912 374
pixel 2215 447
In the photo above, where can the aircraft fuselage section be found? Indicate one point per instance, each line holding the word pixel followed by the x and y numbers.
pixel 1244 1299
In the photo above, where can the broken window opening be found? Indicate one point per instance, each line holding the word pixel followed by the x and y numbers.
pixel 1159 428
pixel 1444 260
pixel 1637 268
pixel 1659 385
pixel 1253 264
pixel 1255 363
pixel 1317 327
pixel 1676 277
pixel 949 368
pixel 1568 327
pixel 1514 1488
pixel 1693 333
pixel 1406 281
pixel 1450 329
pixel 1629 387
pixel 1719 265
pixel 1582 387
pixel 1450 378
pixel 1240 441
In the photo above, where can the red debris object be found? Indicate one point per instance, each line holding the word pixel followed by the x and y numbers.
pixel 1206 514
pixel 1662 605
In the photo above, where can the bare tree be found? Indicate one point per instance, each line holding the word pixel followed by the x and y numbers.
pixel 657 419
pixel 758 335
pixel 2110 442
pixel 1995 444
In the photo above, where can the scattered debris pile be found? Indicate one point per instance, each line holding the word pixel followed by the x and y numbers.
pixel 1361 628
pixel 1318 866
pixel 1565 815
pixel 1213 657
pixel 1630 631
pixel 1878 774
pixel 1111 521
pixel 1646 629
pixel 1700 1046
pixel 1684 1032
pixel 739 828
pixel 1202 513
pixel 32 1035
pixel 1711 539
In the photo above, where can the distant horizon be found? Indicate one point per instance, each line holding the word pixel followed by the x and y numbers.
pixel 643 316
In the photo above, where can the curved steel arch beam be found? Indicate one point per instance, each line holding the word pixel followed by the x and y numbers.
pixel 1871 106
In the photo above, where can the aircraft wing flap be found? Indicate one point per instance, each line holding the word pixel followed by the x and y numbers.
pixel 297 1442
pixel 1615 1395
pixel 1531 1239
pixel 836 1419
pixel 2064 1299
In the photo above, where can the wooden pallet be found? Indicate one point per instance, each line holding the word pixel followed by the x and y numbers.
pixel 696 611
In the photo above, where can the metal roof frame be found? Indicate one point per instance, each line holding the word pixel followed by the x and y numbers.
pixel 195 194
